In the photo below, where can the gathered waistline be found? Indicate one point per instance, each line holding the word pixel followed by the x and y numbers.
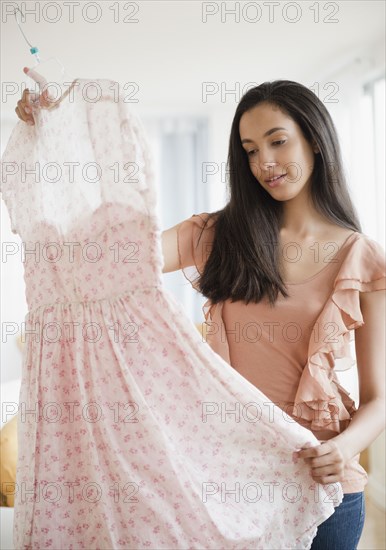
pixel 105 299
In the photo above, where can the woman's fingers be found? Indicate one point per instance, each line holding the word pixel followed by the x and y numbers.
pixel 38 78
pixel 24 117
pixel 29 100
pixel 44 100
pixel 44 97
pixel 35 100
pixel 23 110
pixel 30 103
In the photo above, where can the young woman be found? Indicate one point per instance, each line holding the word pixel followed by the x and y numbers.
pixel 288 275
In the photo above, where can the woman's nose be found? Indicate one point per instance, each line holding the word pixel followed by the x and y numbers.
pixel 267 165
pixel 267 168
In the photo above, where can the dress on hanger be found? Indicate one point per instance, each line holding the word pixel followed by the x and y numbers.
pixel 133 433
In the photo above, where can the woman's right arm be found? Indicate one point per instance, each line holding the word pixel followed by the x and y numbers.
pixel 170 250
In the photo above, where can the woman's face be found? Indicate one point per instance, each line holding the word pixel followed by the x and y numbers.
pixel 283 152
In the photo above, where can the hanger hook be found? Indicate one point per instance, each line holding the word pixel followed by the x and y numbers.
pixel 33 49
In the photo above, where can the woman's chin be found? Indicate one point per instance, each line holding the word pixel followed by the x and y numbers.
pixel 282 192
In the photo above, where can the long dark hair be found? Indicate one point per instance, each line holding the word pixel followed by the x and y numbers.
pixel 244 260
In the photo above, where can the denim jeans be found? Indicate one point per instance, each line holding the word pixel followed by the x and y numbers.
pixel 343 529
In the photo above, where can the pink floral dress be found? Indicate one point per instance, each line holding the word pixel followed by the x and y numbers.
pixel 133 433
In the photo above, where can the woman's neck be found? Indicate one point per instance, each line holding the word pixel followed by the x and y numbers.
pixel 301 219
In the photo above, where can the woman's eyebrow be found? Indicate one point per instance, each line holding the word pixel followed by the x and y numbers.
pixel 267 133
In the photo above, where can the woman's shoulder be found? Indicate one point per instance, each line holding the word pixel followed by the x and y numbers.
pixel 204 219
pixel 364 246
pixel 200 226
pixel 358 243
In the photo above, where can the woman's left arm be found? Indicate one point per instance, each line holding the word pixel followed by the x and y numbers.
pixel 328 459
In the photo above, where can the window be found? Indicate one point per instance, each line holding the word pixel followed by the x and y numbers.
pixel 373 104
pixel 180 145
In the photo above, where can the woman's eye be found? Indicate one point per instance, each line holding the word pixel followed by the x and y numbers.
pixel 279 142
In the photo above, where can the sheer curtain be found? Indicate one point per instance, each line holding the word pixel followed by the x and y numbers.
pixel 373 115
pixel 360 120
pixel 373 172
pixel 359 116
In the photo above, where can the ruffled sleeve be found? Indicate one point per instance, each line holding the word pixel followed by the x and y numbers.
pixel 320 400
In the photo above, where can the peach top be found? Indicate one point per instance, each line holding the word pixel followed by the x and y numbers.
pixel 291 352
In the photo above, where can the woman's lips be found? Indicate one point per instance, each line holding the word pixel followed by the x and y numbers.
pixel 277 181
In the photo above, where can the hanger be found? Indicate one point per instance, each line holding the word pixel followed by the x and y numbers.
pixel 49 74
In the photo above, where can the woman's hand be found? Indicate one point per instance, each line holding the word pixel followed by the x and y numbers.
pixel 31 102
pixel 326 460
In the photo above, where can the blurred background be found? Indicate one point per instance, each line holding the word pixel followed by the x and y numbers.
pixel 185 66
